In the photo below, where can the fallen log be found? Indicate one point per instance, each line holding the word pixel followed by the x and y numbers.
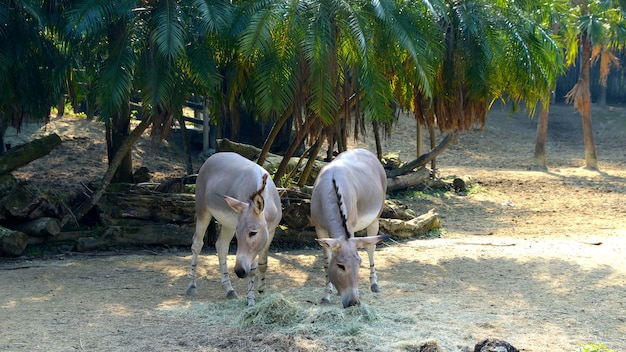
pixel 21 155
pixel 7 183
pixel 160 208
pixel 272 161
pixel 409 180
pixel 416 227
pixel 12 242
pixel 25 203
pixel 42 227
pixel 163 234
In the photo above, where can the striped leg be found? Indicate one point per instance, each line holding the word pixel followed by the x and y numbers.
pixel 260 282
pixel 251 284
pixel 322 233
pixel 372 230
pixel 373 278
pixel 329 286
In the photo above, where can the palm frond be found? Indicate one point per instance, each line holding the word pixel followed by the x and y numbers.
pixel 166 30
pixel 116 78
pixel 90 17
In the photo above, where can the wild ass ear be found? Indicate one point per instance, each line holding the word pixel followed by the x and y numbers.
pixel 257 198
pixel 331 243
pixel 259 204
pixel 367 241
pixel 235 204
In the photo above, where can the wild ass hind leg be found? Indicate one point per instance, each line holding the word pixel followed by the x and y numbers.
pixel 372 230
pixel 202 222
pixel 221 246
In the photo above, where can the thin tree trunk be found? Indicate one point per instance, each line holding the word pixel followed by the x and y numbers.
pixel 186 145
pixel 304 176
pixel 124 149
pixel 542 136
pixel 272 136
pixel 304 130
pixel 431 135
pixel 419 138
pixel 379 146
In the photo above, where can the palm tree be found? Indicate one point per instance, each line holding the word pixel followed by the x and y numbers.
pixel 160 50
pixel 598 30
pixel 33 62
pixel 319 62
pixel 588 32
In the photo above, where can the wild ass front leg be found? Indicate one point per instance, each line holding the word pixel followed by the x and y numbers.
pixel 329 286
pixel 221 246
pixel 251 285
pixel 260 281
pixel 202 223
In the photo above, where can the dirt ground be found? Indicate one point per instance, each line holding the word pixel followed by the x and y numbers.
pixel 536 258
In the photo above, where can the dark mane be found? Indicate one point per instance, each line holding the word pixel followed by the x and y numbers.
pixel 344 217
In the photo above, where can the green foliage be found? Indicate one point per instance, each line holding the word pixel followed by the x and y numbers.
pixel 596 347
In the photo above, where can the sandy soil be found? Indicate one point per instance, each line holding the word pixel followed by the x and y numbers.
pixel 534 258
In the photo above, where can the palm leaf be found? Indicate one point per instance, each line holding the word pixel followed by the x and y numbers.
pixel 166 30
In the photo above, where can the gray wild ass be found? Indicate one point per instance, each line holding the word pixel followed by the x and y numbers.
pixel 348 196
pixel 243 199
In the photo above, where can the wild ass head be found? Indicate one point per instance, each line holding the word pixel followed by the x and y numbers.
pixel 251 232
pixel 345 261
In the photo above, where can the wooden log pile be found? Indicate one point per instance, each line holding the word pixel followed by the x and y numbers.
pixel 139 215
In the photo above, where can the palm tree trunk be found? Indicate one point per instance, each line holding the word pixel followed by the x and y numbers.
pixel 119 132
pixel 542 136
pixel 591 161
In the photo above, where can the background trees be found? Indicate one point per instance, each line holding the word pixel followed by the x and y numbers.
pixel 309 69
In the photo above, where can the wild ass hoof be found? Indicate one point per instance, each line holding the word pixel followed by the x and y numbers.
pixel 191 290
pixel 375 288
pixel 250 302
pixel 231 294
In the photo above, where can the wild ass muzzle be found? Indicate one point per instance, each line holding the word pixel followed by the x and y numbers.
pixel 243 199
pixel 348 196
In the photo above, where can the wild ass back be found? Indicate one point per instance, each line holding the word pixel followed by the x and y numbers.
pixel 348 196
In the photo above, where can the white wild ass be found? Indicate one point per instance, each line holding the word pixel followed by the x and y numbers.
pixel 243 199
pixel 348 196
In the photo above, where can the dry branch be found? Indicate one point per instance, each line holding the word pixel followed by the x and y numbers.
pixel 424 159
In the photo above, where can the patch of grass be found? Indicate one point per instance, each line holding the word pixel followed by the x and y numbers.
pixel 421 194
pixel 476 188
pixel 595 347
pixel 272 310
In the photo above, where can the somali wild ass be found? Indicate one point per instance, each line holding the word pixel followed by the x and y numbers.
pixel 243 199
pixel 348 196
